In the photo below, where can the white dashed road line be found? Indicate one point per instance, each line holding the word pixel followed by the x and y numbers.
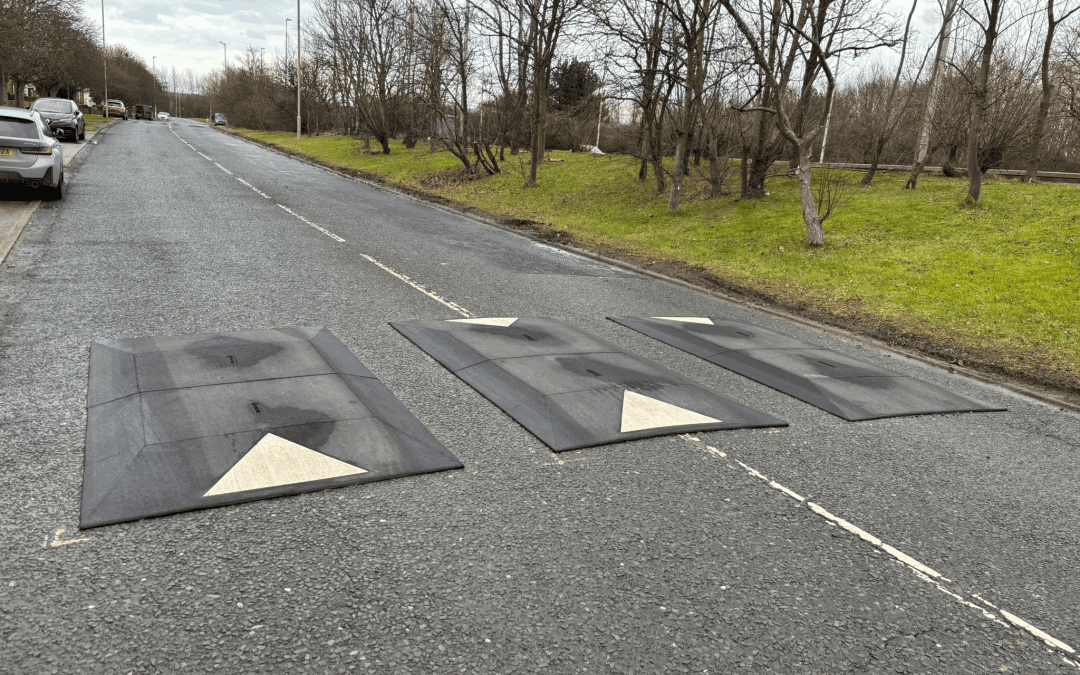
pixel 434 296
pixel 438 298
pixel 317 227
pixel 921 570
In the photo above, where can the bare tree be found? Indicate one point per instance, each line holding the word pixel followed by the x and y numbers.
pixel 990 31
pixel 541 24
pixel 892 113
pixel 1047 88
pixel 694 27
pixel 933 94
pixel 816 30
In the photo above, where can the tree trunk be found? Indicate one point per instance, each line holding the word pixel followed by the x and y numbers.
pixel 913 180
pixel 534 140
pixel 868 179
pixel 978 108
pixel 744 173
pixel 1047 94
pixel 677 178
pixel 815 235
pixel 716 176
pixel 974 173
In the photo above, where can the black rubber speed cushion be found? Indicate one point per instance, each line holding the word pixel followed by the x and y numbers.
pixel 167 417
pixel 566 386
pixel 844 386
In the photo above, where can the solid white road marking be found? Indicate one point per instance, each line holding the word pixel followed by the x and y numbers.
pixel 504 322
pixel 686 319
pixel 1020 623
pixel 276 461
pixel 204 156
pixel 641 412
pixel 223 168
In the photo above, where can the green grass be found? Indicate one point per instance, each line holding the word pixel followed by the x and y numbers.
pixel 1001 280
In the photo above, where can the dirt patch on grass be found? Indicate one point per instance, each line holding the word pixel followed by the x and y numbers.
pixel 1040 373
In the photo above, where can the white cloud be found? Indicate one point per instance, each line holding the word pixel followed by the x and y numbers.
pixel 189 34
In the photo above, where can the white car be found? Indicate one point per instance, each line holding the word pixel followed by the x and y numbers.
pixel 29 153
pixel 163 116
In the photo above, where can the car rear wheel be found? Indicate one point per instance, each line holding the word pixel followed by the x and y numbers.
pixel 57 192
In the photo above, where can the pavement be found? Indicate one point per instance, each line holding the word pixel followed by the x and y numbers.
pixel 928 544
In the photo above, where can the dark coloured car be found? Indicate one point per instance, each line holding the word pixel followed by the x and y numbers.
pixel 62 116
pixel 220 119
pixel 29 153
pixel 142 111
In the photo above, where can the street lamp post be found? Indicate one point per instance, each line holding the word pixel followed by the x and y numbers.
pixel 298 70
pixel 224 54
pixel 104 58
pixel 154 86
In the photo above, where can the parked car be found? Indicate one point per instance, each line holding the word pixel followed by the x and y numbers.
pixel 220 120
pixel 29 153
pixel 142 111
pixel 163 116
pixel 62 116
pixel 115 108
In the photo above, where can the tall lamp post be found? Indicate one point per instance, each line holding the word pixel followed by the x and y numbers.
pixel 224 55
pixel 297 70
pixel 104 58
pixel 154 76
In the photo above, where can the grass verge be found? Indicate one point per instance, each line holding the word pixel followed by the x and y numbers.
pixel 993 287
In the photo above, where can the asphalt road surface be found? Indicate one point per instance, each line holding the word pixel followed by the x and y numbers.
pixel 932 544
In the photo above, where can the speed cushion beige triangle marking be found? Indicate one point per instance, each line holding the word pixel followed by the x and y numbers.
pixel 503 321
pixel 641 412
pixel 686 319
pixel 276 461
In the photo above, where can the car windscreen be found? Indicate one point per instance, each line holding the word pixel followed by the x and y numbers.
pixel 53 106
pixel 15 127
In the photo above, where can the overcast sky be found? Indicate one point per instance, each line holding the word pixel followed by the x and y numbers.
pixel 188 34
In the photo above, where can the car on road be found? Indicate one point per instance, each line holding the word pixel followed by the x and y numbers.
pixel 114 107
pixel 29 153
pixel 220 119
pixel 62 116
pixel 163 115
pixel 142 111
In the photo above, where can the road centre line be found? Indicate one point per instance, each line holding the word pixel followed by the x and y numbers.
pixel 317 227
pixel 205 157
pixel 921 570
pixel 454 306
pixel 252 186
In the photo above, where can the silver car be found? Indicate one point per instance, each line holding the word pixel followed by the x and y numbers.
pixel 29 153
